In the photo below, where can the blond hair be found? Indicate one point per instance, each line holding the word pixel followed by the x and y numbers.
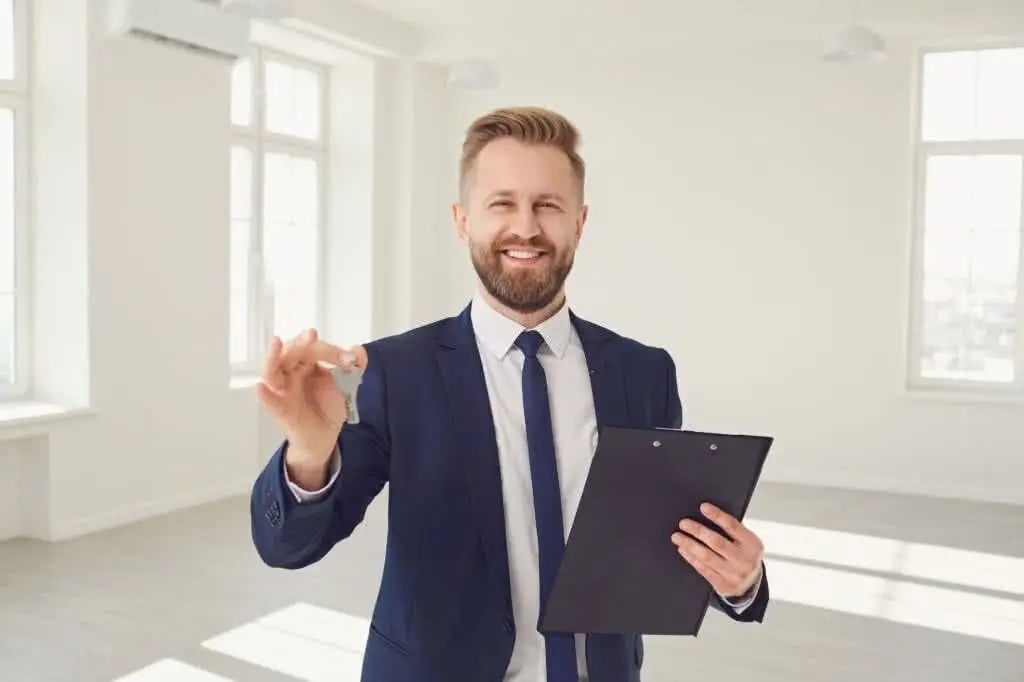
pixel 530 125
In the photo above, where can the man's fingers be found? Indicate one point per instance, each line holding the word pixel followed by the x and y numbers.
pixel 347 359
pixel 351 358
pixel 691 550
pixel 708 570
pixel 321 351
pixel 721 573
pixel 273 401
pixel 309 351
pixel 306 350
pixel 272 374
pixel 727 522
pixel 721 545
pixel 287 365
pixel 292 354
pixel 731 566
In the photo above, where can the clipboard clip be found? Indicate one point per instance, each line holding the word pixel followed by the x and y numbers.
pixel 713 447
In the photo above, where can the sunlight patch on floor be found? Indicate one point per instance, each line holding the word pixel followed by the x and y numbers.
pixel 302 641
pixel 316 644
pixel 170 670
pixel 913 560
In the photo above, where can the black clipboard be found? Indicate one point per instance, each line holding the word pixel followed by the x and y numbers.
pixel 621 573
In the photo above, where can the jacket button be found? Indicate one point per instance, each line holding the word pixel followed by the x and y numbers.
pixel 274 514
pixel 510 627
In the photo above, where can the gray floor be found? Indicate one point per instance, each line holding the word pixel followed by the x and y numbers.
pixel 99 607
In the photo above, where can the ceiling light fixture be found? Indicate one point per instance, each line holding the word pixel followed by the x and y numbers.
pixel 855 45
pixel 473 74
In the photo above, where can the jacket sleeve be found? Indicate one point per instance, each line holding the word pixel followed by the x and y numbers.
pixel 673 404
pixel 753 612
pixel 291 534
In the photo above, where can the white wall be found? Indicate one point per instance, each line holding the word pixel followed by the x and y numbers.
pixel 750 210
pixel 132 248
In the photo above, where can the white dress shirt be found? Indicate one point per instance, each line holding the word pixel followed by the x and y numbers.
pixel 575 432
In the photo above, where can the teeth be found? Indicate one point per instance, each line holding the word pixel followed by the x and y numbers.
pixel 523 255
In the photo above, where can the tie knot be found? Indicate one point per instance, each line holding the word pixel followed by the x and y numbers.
pixel 530 343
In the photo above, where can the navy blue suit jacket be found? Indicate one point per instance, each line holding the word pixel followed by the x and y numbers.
pixel 444 611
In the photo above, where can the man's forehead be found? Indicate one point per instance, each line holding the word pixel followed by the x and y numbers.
pixel 504 151
pixel 521 168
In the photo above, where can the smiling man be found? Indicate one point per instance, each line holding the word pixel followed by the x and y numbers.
pixel 522 257
pixel 484 425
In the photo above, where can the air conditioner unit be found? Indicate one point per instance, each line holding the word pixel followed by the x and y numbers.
pixel 198 26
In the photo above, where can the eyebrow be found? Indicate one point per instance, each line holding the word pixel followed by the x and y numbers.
pixel 505 193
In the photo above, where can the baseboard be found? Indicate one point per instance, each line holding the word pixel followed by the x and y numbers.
pixel 127 515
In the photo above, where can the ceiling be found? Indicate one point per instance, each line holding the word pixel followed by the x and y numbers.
pixel 490 28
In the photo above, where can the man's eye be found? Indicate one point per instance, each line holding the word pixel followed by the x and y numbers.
pixel 548 204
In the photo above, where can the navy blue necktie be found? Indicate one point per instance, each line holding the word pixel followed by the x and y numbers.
pixel 547 499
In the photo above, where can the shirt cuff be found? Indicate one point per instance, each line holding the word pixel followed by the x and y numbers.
pixel 741 604
pixel 304 496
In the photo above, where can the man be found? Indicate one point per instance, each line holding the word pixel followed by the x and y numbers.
pixel 484 426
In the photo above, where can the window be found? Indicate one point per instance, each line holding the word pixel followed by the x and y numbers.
pixel 968 312
pixel 278 171
pixel 13 200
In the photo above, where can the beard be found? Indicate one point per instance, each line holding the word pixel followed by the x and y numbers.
pixel 524 290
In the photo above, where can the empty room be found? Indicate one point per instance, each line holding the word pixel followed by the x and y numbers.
pixel 545 341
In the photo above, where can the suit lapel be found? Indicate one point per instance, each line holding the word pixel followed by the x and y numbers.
pixel 462 371
pixel 607 379
pixel 608 383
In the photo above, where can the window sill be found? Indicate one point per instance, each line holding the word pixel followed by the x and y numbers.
pixel 244 382
pixel 965 396
pixel 29 418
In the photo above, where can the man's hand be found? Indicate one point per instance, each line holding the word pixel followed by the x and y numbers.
pixel 731 563
pixel 299 392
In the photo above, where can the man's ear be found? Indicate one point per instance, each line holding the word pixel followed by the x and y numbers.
pixel 459 218
pixel 581 220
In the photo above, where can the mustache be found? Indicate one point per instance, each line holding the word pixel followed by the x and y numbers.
pixel 533 242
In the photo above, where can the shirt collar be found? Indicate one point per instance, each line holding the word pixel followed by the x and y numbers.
pixel 498 333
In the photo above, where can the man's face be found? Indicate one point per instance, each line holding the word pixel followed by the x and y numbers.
pixel 522 219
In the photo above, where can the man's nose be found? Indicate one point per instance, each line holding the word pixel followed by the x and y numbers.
pixel 525 224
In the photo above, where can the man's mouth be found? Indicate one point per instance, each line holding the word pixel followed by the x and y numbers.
pixel 524 255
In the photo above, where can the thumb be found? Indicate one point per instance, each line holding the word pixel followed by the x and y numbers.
pixel 322 376
pixel 274 402
pixel 352 357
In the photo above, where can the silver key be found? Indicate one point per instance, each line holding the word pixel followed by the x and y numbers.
pixel 348 382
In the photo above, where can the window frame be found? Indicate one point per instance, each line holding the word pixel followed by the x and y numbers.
pixel 14 95
pixel 924 150
pixel 259 141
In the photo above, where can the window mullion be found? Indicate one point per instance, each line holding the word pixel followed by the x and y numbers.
pixel 973 147
pixel 259 323
pixel 323 201
pixel 301 145
pixel 1018 339
pixel 262 143
pixel 22 328
pixel 918 278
